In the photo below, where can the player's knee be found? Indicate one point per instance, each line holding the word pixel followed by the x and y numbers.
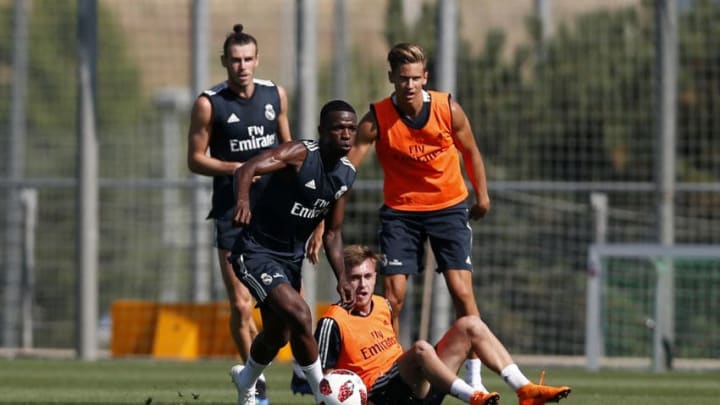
pixel 243 307
pixel 301 319
pixel 472 326
pixel 421 349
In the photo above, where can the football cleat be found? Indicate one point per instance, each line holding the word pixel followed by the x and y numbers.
pixel 485 398
pixel 299 385
pixel 261 392
pixel 538 394
pixel 246 396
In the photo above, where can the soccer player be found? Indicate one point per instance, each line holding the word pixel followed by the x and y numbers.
pixel 307 182
pixel 418 136
pixel 235 120
pixel 361 339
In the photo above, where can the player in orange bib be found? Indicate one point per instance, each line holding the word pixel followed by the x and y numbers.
pixel 361 339
pixel 418 136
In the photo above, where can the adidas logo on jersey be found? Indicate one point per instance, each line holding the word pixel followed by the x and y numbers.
pixel 310 184
pixel 233 118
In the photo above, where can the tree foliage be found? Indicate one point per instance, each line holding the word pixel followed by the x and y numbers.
pixel 580 106
pixel 51 116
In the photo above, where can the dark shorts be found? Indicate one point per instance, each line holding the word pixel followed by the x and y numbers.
pixel 261 272
pixel 389 388
pixel 403 234
pixel 226 233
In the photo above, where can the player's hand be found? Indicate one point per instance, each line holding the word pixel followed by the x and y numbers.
pixel 315 243
pixel 478 211
pixel 347 293
pixel 242 214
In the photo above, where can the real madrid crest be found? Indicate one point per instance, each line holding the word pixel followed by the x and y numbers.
pixel 340 192
pixel 269 112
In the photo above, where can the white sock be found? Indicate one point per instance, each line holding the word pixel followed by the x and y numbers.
pixel 461 390
pixel 473 375
pixel 297 370
pixel 314 374
pixel 514 377
pixel 251 373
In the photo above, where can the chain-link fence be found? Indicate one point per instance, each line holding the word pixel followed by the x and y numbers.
pixel 562 95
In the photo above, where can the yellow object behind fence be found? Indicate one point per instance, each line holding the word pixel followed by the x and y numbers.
pixel 177 334
pixel 184 331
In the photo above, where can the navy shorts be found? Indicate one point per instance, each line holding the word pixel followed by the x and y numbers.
pixel 260 272
pixel 226 233
pixel 389 388
pixel 403 234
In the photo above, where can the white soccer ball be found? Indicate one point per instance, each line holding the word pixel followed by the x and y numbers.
pixel 342 387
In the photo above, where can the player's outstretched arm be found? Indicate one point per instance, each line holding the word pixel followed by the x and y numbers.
pixel 288 154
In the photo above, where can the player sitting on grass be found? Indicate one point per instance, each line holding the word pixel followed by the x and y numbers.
pixel 362 340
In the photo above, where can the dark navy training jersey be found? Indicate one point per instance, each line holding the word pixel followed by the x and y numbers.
pixel 294 202
pixel 241 129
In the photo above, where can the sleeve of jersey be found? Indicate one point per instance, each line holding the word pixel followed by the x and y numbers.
pixel 328 338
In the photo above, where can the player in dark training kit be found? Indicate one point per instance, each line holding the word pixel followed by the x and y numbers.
pixel 234 121
pixel 306 183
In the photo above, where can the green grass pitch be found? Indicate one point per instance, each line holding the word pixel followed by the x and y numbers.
pixel 35 381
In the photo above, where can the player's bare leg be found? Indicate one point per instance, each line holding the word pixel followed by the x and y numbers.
pixel 242 325
pixel 460 287
pixel 395 289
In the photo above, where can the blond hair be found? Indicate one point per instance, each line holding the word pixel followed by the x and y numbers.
pixel 355 255
pixel 405 53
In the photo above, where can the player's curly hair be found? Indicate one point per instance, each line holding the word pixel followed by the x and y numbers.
pixel 332 106
pixel 238 37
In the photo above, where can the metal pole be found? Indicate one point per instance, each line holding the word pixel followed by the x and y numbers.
pixel 29 211
pixel 288 53
pixel 16 166
pixel 666 82
pixel 340 46
pixel 170 102
pixel 543 10
pixel 446 79
pixel 306 106
pixel 87 198
pixel 426 306
pixel 594 330
pixel 201 245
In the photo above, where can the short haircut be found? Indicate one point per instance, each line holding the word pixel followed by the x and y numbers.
pixel 355 255
pixel 238 37
pixel 332 106
pixel 405 53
